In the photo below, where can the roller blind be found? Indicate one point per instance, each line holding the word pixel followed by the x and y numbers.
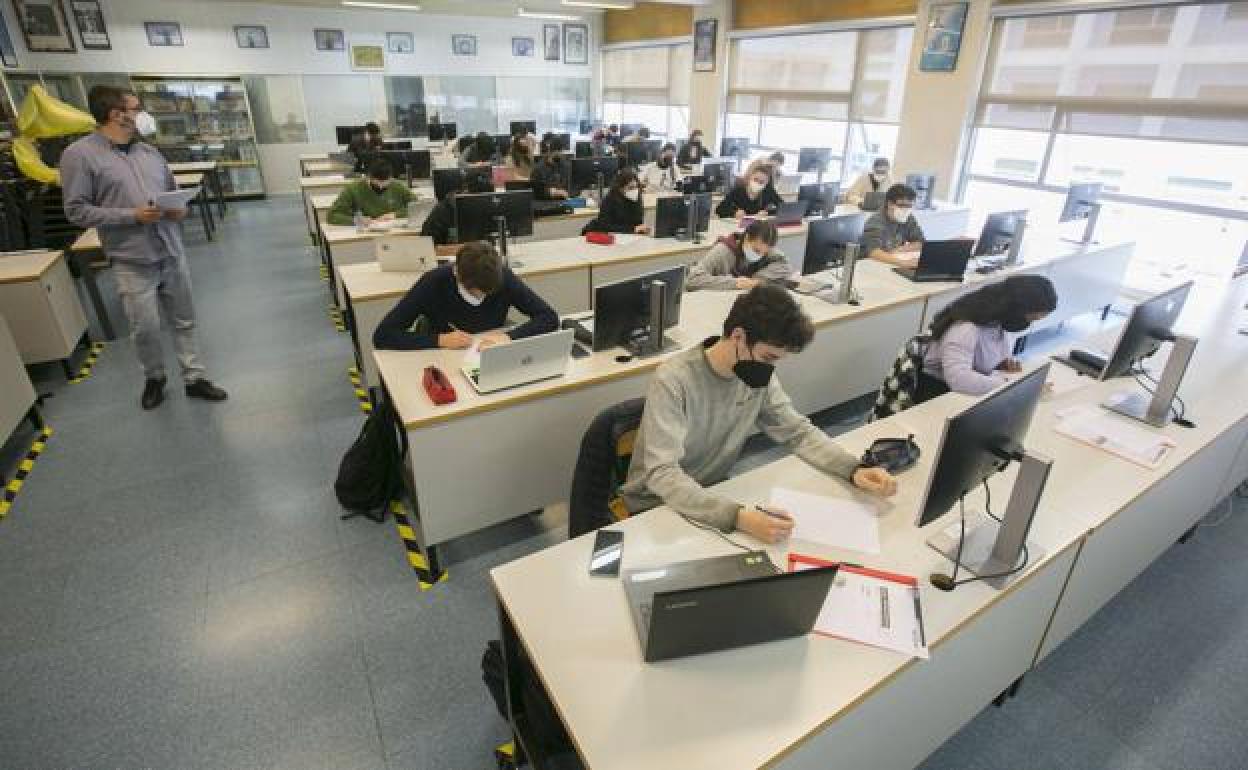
pixel 656 75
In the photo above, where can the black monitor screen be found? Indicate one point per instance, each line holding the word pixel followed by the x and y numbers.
pixel 1149 325
pixel 344 134
pixel 671 215
pixel 642 151
pixel 998 233
pixel 441 131
pixel 524 127
pixel 1080 199
pixel 585 171
pixel 812 160
pixel 622 309
pixel 413 163
pixel 826 240
pixel 822 197
pixel 718 175
pixel 735 147
pixel 449 180
pixel 584 149
pixel 979 441
pixel 476 215
pixel 396 145
pixel 563 142
pixel 502 144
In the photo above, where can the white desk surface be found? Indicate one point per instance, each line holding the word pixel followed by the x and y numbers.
pixel 22 267
pixel 89 240
pixel 325 202
pixel 202 166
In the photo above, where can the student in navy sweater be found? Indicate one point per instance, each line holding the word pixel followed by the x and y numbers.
pixel 451 303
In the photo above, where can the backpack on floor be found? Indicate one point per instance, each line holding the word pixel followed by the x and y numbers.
pixel 901 386
pixel 368 476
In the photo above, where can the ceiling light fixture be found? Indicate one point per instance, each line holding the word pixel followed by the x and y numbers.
pixel 611 5
pixel 382 6
pixel 548 16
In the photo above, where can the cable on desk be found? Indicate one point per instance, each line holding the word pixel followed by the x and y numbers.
pixel 962 536
pixel 722 536
pixel 1179 413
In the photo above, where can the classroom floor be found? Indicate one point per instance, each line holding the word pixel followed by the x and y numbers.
pixel 179 592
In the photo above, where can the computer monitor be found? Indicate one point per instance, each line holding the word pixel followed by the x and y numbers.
pixel 813 160
pixel 502 144
pixel 696 183
pixel 624 315
pixel 344 134
pixel 587 127
pixel 671 216
pixel 978 442
pixel 735 147
pixel 414 164
pixel 524 126
pixel 562 142
pixel 822 197
pixel 439 132
pixel 397 145
pixel 718 175
pixel 1148 326
pixel 999 233
pixel 589 173
pixel 628 129
pixel 584 149
pixel 477 214
pixel 464 142
pixel 1241 267
pixel 923 186
pixel 643 151
pixel 449 180
pixel 1080 199
pixel 826 240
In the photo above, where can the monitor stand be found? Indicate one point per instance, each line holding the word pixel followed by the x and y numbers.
pixel 990 548
pixel 500 232
pixel 1155 410
pixel 1014 255
pixel 1089 229
pixel 652 341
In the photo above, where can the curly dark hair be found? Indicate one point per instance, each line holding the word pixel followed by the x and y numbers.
pixel 996 303
pixel 767 313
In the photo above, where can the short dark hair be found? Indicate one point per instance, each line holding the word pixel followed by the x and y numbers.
pixel 669 146
pixel 102 100
pixel 613 127
pixel 1016 296
pixel 644 132
pixel 776 157
pixel 761 230
pixel 380 168
pixel 475 183
pixel 371 129
pixel 478 266
pixel 880 161
pixel 900 192
pixel 768 314
pixel 625 177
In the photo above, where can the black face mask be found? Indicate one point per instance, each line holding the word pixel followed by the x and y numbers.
pixel 1015 323
pixel 378 188
pixel 664 162
pixel 696 142
pixel 755 374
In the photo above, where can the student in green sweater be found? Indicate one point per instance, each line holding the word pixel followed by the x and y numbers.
pixel 378 196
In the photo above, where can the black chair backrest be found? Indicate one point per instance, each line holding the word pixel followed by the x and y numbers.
pixel 601 466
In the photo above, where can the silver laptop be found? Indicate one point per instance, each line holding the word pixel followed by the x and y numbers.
pixel 405 253
pixel 522 361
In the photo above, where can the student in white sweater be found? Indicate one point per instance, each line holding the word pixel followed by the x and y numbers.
pixel 741 261
pixel 664 175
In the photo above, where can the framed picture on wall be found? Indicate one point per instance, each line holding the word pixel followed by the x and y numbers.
pixel 250 36
pixel 553 42
pixel 163 33
pixel 8 54
pixel 368 57
pixel 90 22
pixel 943 37
pixel 329 40
pixel 523 46
pixel 575 44
pixel 400 42
pixel 44 26
pixel 464 45
pixel 704 31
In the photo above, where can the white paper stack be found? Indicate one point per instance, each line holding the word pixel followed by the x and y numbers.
pixel 1095 427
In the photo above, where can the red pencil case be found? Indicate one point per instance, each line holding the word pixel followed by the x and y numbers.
pixel 438 386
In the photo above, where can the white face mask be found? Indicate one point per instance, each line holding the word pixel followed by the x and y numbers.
pixel 899 213
pixel 145 124
pixel 468 296
pixel 879 174
pixel 751 255
pixel 633 194
pixel 755 187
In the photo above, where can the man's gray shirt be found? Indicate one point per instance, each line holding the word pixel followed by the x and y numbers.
pixel 104 183
pixel 881 232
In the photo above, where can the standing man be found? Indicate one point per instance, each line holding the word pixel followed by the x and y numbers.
pixel 110 181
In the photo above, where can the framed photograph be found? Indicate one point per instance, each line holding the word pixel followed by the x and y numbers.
pixel 251 36
pixel 576 44
pixel 464 45
pixel 90 22
pixel 8 54
pixel 553 41
pixel 329 40
pixel 523 46
pixel 400 42
pixel 704 32
pixel 368 57
pixel 163 33
pixel 44 26
pixel 943 37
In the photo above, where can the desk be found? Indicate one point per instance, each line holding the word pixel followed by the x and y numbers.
pixel 82 252
pixel 331 186
pixel 824 703
pixel 17 394
pixel 38 299
pixel 213 169
pixel 324 167
pixel 321 204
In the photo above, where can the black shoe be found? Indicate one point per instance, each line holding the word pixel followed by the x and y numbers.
pixel 153 393
pixel 206 390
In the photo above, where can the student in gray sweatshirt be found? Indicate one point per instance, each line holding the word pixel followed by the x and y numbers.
pixel 703 404
pixel 741 260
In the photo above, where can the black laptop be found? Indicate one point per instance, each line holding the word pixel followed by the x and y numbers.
pixel 707 605
pixel 791 213
pixel 940 261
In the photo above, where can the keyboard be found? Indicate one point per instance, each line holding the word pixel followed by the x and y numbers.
pixel 914 275
pixel 1082 361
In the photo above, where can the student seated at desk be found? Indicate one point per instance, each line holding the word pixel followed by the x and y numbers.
pixel 364 145
pixel 892 234
pixel 969 351
pixel 480 153
pixel 378 196
pixel 599 147
pixel 613 135
pixel 550 176
pixel 741 261
pixel 622 210
pixel 449 304
pixel 441 219
pixel 753 193
pixel 693 152
pixel 519 160
pixel 872 181
pixel 702 405
pixel 663 175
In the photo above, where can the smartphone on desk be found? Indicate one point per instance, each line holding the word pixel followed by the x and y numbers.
pixel 608 553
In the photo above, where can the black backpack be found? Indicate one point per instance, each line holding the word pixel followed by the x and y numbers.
pixel 368 476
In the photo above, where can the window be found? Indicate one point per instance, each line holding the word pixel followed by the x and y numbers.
pixel 1151 102
pixel 648 85
pixel 277 108
pixel 841 90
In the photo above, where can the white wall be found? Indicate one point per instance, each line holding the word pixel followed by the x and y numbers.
pixel 707 90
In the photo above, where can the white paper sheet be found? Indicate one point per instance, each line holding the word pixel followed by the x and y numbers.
pixel 832 521
pixel 472 356
pixel 873 610
pixel 175 199
pixel 1091 425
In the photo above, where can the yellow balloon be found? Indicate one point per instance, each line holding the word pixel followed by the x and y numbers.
pixel 30 164
pixel 43 117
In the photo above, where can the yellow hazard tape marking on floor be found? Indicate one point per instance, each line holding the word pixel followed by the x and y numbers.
pixel 361 392
pixel 335 315
pixel 93 355
pixel 505 752
pixel 23 470
pixel 324 273
pixel 414 555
